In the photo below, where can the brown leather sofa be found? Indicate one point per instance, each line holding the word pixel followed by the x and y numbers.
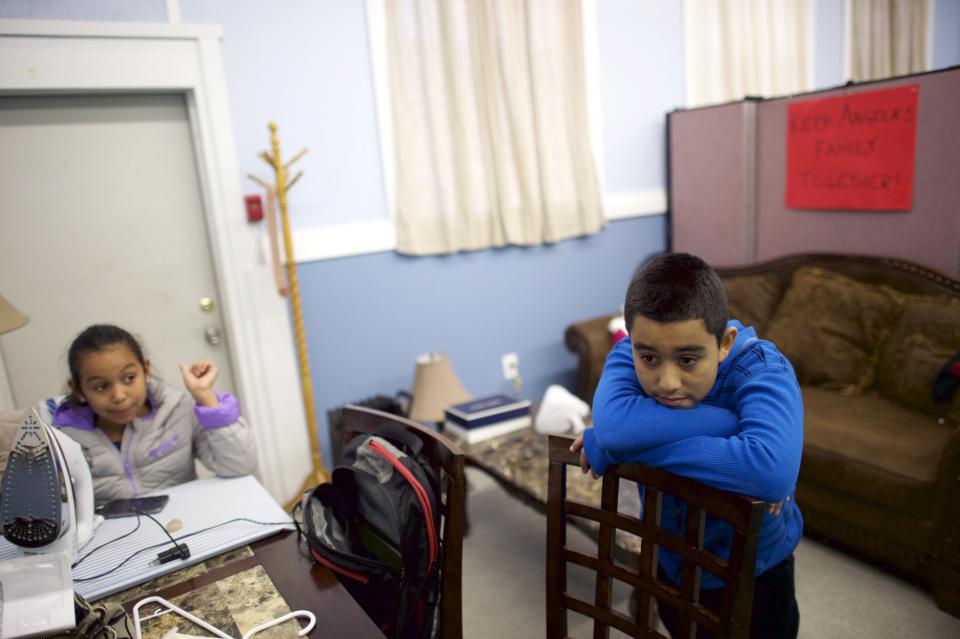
pixel 881 461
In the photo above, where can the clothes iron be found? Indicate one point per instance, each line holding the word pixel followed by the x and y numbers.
pixel 46 509
pixel 46 506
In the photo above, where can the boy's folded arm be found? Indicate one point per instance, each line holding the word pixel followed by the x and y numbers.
pixel 626 420
pixel 762 460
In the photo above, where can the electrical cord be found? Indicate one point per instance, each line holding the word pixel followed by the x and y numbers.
pixel 125 535
pixel 107 543
pixel 162 527
pixel 164 543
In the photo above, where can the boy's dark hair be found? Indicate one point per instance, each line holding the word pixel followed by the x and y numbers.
pixel 96 338
pixel 676 287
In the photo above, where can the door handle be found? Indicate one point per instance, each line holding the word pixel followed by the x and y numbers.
pixel 212 335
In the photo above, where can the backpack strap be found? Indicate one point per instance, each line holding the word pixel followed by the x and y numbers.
pixel 398 435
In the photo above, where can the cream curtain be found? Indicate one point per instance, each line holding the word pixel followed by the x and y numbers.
pixel 887 38
pixel 736 48
pixel 490 124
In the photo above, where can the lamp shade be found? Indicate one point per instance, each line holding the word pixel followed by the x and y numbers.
pixel 435 386
pixel 10 317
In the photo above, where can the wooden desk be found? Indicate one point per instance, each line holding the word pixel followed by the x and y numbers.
pixel 250 586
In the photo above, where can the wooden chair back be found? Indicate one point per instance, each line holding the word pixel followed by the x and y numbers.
pixel 737 572
pixel 448 461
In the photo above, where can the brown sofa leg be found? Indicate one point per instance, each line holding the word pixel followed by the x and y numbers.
pixel 947 597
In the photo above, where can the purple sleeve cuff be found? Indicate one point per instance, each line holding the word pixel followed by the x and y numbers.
pixel 228 412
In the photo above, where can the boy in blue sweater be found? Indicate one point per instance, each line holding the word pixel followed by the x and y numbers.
pixel 703 397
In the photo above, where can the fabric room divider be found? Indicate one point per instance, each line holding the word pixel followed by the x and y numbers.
pixel 728 181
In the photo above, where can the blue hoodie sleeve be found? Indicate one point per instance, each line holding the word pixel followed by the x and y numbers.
pixel 627 422
pixel 762 459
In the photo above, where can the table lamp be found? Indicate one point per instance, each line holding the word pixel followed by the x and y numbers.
pixel 435 386
pixel 10 317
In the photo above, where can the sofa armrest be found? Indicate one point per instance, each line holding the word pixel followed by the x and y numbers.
pixel 589 340
pixel 946 542
pixel 945 545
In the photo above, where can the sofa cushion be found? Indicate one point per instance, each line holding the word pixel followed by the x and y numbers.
pixel 832 327
pixel 925 338
pixel 910 379
pixel 873 449
pixel 752 298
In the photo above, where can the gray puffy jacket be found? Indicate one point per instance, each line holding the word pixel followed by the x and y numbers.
pixel 159 450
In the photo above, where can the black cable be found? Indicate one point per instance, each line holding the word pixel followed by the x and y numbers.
pixel 107 543
pixel 138 513
pixel 123 536
pixel 196 532
pixel 104 574
pixel 162 527
pixel 230 521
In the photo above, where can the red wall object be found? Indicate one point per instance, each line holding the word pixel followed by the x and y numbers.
pixel 853 152
pixel 254 208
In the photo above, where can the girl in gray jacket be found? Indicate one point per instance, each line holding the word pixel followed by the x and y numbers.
pixel 139 434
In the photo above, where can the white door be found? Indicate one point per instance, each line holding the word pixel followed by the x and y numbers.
pixel 102 221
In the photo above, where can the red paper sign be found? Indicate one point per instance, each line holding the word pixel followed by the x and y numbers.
pixel 853 152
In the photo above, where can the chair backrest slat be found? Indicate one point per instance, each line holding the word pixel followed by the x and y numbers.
pixel 448 460
pixel 604 588
pixel 744 514
pixel 713 564
pixel 690 580
pixel 556 545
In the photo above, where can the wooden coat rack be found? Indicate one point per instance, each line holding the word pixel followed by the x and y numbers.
pixel 319 473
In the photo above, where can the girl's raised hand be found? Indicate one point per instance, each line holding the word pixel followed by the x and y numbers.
pixel 198 379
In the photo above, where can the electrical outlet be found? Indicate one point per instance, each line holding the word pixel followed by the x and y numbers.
pixel 511 365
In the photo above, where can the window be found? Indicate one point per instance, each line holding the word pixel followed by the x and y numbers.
pixel 490 126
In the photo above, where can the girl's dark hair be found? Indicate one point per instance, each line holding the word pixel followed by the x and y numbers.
pixel 96 338
pixel 676 287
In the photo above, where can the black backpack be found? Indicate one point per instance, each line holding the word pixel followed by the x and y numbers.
pixel 377 526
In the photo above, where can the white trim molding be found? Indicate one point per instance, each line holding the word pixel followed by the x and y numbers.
pixel 377 236
pixel 38 57
pixel 342 240
pixel 108 30
pixel 619 206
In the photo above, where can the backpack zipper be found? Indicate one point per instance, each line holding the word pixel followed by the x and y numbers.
pixel 421 497
pixel 340 569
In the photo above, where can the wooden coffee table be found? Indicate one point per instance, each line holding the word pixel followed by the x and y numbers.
pixel 518 461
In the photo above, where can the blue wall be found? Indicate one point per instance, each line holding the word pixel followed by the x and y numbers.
pixel 946 34
pixel 304 64
pixel 641 79
pixel 368 317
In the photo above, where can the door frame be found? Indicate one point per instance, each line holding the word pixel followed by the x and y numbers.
pixel 57 57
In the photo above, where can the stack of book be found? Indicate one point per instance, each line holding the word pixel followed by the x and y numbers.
pixel 486 417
